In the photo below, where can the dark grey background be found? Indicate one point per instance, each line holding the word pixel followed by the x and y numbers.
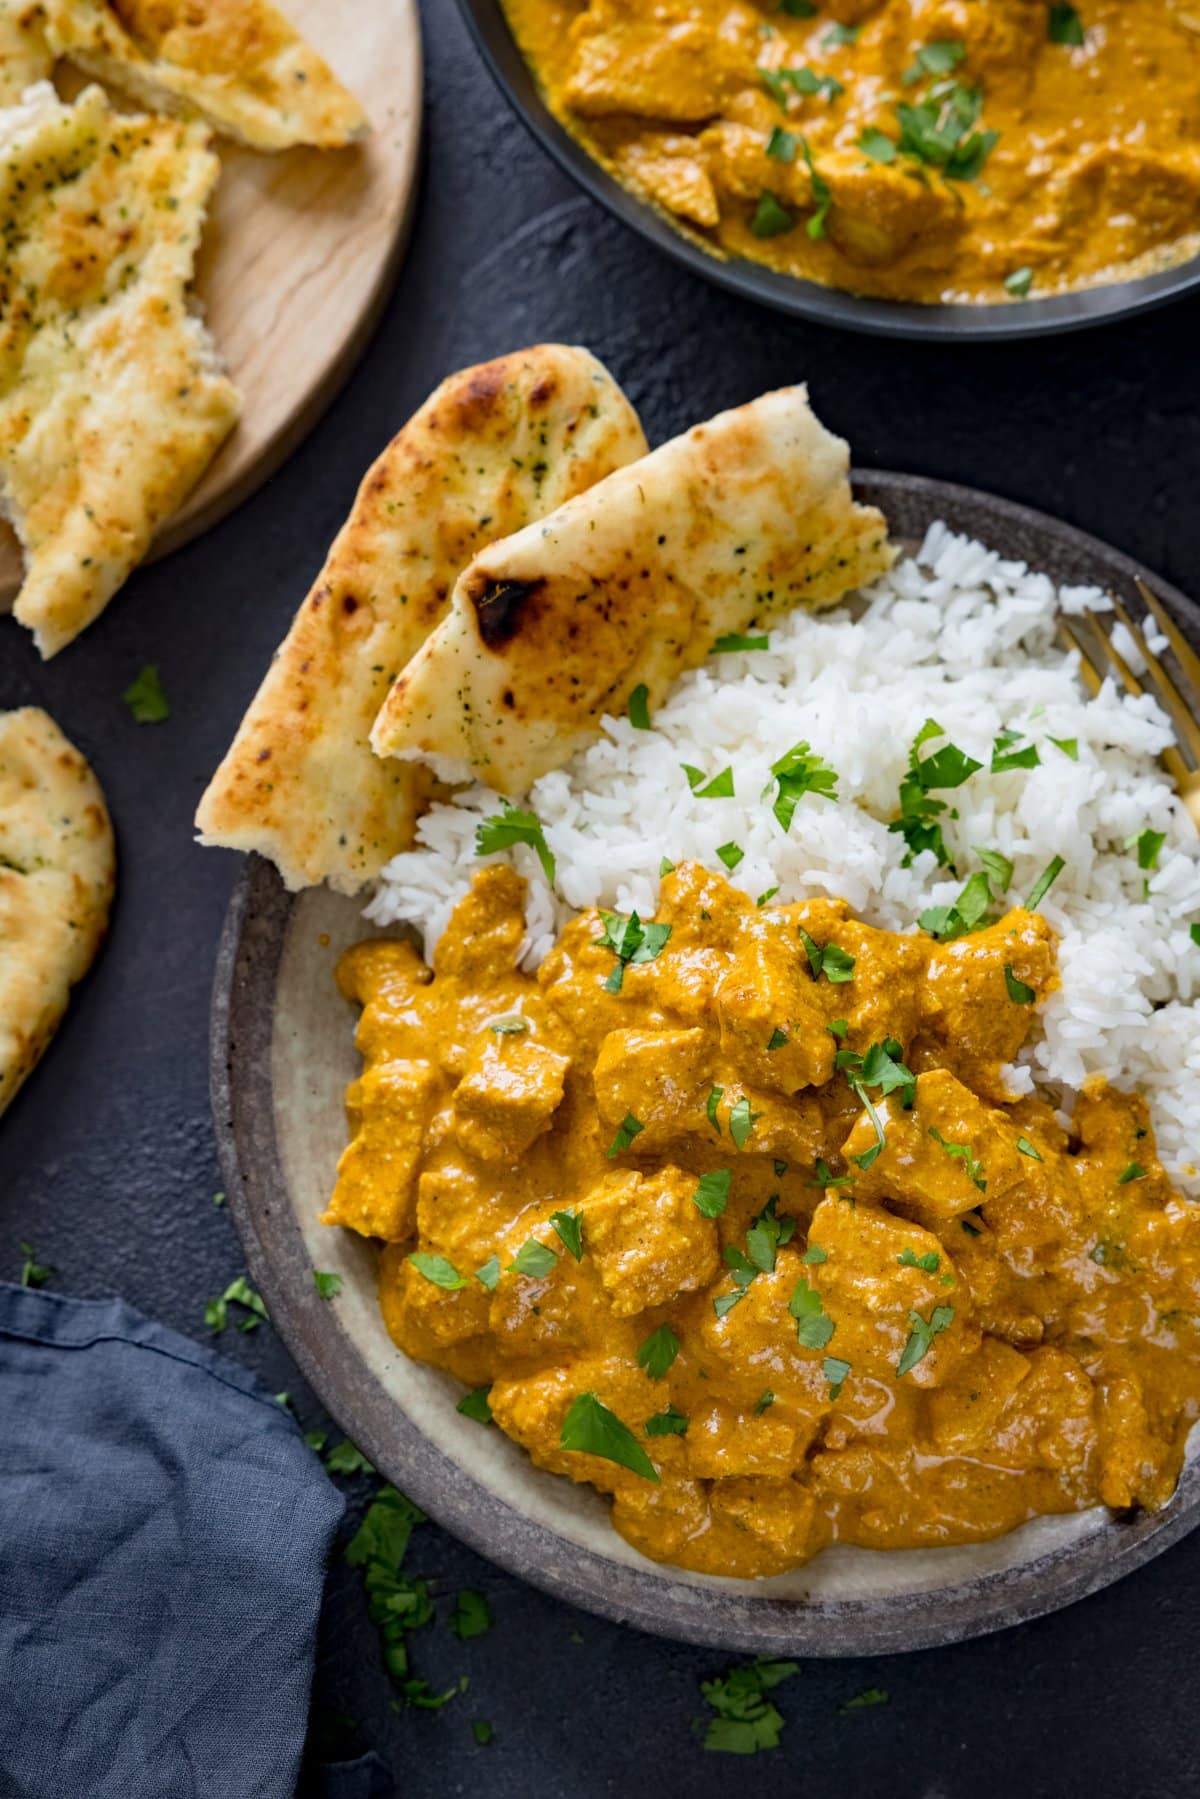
pixel 107 1163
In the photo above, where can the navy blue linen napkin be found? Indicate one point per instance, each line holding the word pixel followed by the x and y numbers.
pixel 163 1538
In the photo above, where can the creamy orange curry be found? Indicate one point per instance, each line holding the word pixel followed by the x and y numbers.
pixel 908 149
pixel 731 1215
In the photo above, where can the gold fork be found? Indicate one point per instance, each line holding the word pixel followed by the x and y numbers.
pixel 1183 763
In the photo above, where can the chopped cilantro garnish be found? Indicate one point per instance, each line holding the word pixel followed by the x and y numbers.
pixel 568 1227
pixel 837 35
pixel 1133 1172
pixel 36 1274
pixel 1044 883
pixel 533 1259
pixel 472 1616
pixel 928 1263
pixel 968 913
pixel 346 1458
pixel 715 1096
pixel 658 1352
pixel 815 1255
pixel 590 1428
pixel 631 942
pixel 1194 934
pixel 771 217
pixel 940 130
pixel 742 1119
pixel 778 1039
pixel 876 144
pixel 744 1719
pixel 482 1731
pixel 919 813
pixel 835 963
pixel 666 1424
pixel 1148 845
pixel 962 1152
pixel 814 1326
pixel 1018 992
pixel 719 788
pixel 1027 1149
pixel 998 869
pixel 781 145
pixel 768 895
pixel 1010 751
pixel 797 772
pixel 735 640
pixel 238 1292
pixel 1018 285
pixel 921 1335
pixel 503 829
pixel 145 697
pixel 827 1178
pixel 327 1285
pixel 835 1371
pixel 509 1027
pixel 767 1231
pixel 398 1602
pixel 731 854
pixel 1064 25
pixel 938 58
pixel 475 1405
pixel 765 1399
pixel 712 1195
pixel 630 1128
pixel 639 707
pixel 437 1269
pixel 1068 745
pixel 822 194
pixel 868 1697
pixel 489 1273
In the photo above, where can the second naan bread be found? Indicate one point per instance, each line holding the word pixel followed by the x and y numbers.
pixel 111 403
pixel 720 530
pixel 57 872
pixel 238 64
pixel 492 448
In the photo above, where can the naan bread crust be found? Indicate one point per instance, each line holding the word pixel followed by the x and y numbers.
pixel 238 64
pixel 57 872
pixel 111 405
pixel 739 520
pixel 494 447
pixel 25 56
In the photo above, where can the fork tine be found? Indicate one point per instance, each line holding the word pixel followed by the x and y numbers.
pixel 1170 758
pixel 1185 655
pixel 1089 674
pixel 1186 727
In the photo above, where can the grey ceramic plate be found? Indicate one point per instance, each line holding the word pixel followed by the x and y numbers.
pixel 806 299
pixel 282 1053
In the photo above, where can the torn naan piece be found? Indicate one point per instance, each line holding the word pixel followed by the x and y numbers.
pixel 57 873
pixel 238 64
pixel 493 448
pixel 111 401
pixel 717 532
pixel 25 56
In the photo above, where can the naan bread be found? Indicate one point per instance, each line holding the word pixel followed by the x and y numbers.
pixel 236 63
pixel 719 531
pixel 25 56
pixel 57 870
pixel 493 448
pixel 111 404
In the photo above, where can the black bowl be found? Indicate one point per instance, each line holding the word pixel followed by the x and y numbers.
pixel 787 293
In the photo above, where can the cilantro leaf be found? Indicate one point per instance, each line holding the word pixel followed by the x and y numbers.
pixel 666 1424
pixel 437 1269
pixel 742 1120
pixel 822 193
pixel 630 1127
pixel 731 854
pixel 876 144
pixel 1027 1149
pixel 658 1352
pixel 1132 1172
pixel 1018 285
pixel 631 942
pixel 737 640
pixel 36 1274
pixel 719 788
pixel 947 768
pixel 814 1326
pixel 745 1720
pixel 145 697
pixel 921 1335
pixel 591 1429
pixel 476 1405
pixel 639 707
pixel 510 1027
pixel 327 1285
pixel 346 1458
pixel 835 1371
pixel 509 826
pixel 472 1615
pixel 771 217
pixel 998 869
pixel 712 1195
pixel 715 1096
pixel 398 1603
pixel 1018 992
pixel 928 1263
pixel 1148 844
pixel 797 772
pixel 1006 755
pixel 1064 25
pixel 569 1227
pixel 489 1274
pixel 533 1259
pixel 962 1152
pixel 830 960
pixel 1044 883
pixel 781 147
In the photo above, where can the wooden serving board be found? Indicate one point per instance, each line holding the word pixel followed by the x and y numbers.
pixel 298 254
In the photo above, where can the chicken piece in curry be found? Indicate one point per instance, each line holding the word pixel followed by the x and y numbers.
pixel 922 150
pixel 733 1215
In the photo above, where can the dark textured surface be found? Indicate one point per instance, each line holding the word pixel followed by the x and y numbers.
pixel 107 1161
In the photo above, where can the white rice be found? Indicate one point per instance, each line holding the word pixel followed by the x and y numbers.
pixel 957 634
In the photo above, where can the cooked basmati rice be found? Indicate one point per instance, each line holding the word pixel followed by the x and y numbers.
pixel 957 634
